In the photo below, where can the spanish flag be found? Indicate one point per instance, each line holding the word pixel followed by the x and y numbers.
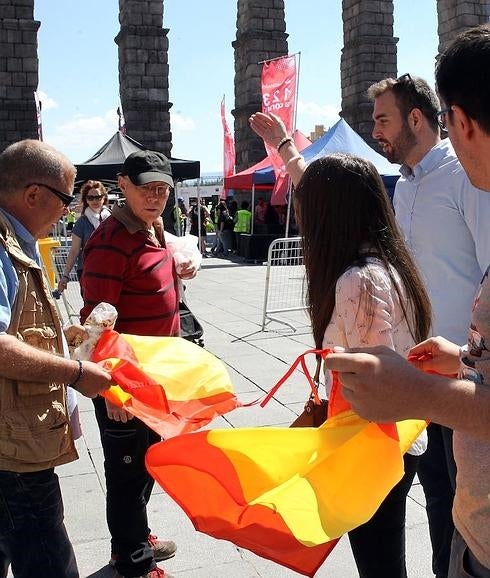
pixel 171 384
pixel 286 494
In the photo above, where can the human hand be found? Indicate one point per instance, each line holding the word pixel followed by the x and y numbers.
pixel 75 335
pixel 379 384
pixel 436 354
pixel 62 284
pixel 187 269
pixel 93 380
pixel 269 127
pixel 117 413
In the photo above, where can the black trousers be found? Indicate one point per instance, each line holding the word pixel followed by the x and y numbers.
pixel 437 474
pixel 129 488
pixel 378 545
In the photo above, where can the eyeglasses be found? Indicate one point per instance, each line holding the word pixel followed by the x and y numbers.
pixel 442 118
pixel 158 191
pixel 65 198
pixel 94 197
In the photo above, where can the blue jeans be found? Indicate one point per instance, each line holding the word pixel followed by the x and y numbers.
pixel 33 536
pixel 227 240
pixel 129 488
pixel 462 562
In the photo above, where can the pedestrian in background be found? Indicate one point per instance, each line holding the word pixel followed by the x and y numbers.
pixel 199 218
pixel 94 210
pixel 243 218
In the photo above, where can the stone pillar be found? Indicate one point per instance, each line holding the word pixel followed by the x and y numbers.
pixel 261 35
pixel 143 73
pixel 18 71
pixel 454 16
pixel 369 55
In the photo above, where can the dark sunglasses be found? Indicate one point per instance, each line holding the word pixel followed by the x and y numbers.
pixel 405 78
pixel 94 197
pixel 65 198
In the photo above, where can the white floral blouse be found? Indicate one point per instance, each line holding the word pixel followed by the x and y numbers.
pixel 354 324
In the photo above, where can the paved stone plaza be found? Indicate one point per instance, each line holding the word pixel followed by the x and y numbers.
pixel 228 299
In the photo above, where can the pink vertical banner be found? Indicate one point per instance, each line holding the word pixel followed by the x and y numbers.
pixel 279 88
pixel 228 147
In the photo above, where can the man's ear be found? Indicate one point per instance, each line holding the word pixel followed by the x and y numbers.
pixel 31 196
pixel 415 119
pixel 462 123
pixel 121 183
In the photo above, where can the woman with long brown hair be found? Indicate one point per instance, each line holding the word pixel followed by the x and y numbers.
pixel 363 289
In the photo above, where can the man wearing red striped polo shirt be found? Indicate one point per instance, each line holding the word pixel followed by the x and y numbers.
pixel 127 264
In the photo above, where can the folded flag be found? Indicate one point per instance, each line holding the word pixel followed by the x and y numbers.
pixel 286 494
pixel 171 384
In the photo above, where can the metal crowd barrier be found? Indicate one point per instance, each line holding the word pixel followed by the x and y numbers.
pixel 70 297
pixel 285 282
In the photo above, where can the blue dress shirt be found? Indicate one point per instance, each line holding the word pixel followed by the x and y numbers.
pixel 446 224
pixel 9 282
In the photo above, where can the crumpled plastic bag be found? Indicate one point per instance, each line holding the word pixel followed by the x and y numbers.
pixel 102 317
pixel 183 249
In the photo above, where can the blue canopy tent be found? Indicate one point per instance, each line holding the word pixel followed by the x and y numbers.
pixel 340 138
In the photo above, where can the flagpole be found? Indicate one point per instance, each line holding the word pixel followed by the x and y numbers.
pixel 253 209
pixel 290 184
pixel 176 210
pixel 278 57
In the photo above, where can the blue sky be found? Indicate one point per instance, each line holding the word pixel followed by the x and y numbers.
pixel 78 68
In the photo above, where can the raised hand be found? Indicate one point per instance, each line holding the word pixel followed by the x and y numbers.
pixel 269 127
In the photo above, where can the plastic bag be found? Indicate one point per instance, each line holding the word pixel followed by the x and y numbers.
pixel 183 249
pixel 103 317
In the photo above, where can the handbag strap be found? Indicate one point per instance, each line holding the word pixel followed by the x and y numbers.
pixel 300 360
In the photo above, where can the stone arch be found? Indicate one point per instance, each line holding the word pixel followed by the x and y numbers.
pixel 369 54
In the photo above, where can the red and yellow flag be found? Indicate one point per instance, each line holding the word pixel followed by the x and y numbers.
pixel 287 494
pixel 171 384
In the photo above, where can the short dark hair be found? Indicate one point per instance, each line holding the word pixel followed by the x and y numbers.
pixel 462 74
pixel 244 205
pixel 410 92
